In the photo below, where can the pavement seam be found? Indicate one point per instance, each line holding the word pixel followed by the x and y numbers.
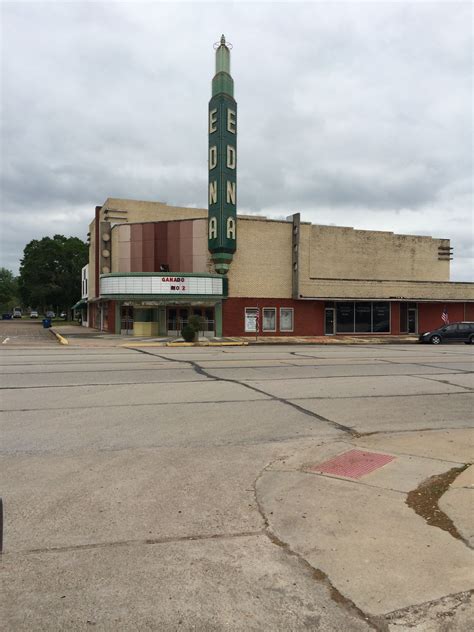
pixel 134 405
pixel 318 575
pixel 431 378
pixel 429 366
pixel 73 450
pixel 403 431
pixel 144 541
pixel 350 430
pixel 245 385
pixel 426 604
pixel 329 377
pixel 19 388
pixel 301 470
pixel 409 454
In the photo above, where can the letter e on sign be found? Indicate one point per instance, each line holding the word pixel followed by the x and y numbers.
pixel 231 121
pixel 213 121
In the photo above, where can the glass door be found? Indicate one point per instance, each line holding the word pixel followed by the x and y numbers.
pixel 329 321
pixel 126 320
pixel 177 318
pixel 412 318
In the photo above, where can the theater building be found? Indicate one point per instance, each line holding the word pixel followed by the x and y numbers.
pixel 152 266
pixel 150 269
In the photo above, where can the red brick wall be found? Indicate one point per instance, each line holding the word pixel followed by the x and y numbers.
pixel 395 319
pixel 308 316
pixel 92 315
pixel 429 314
pixel 111 317
pixel 469 311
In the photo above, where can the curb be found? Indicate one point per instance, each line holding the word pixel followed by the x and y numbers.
pixel 207 344
pixel 128 345
pixel 59 338
pixel 335 342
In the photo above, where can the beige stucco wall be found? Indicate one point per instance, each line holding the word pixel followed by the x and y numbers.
pixel 141 211
pixel 262 264
pixel 335 252
pixel 404 290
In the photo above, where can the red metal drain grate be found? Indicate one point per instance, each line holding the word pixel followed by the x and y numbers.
pixel 353 464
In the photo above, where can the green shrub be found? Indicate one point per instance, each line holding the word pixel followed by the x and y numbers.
pixel 196 322
pixel 188 333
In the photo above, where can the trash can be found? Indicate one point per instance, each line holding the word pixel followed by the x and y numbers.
pixel 46 323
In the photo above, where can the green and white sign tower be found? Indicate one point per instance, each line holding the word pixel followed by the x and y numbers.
pixel 222 235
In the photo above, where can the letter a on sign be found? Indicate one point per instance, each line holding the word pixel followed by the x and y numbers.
pixel 230 228
pixel 213 228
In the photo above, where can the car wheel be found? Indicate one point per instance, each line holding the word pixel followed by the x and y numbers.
pixel 435 340
pixel 471 340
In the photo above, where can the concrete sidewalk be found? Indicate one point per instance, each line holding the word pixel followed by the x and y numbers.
pixel 364 536
pixel 84 336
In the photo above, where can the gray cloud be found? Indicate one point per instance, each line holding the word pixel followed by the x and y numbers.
pixel 353 113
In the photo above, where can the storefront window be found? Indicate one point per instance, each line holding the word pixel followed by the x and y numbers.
pixel 269 319
pixel 381 317
pixel 286 319
pixel 363 317
pixel 345 317
pixel 251 319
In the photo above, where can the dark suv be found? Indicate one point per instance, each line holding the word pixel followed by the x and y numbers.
pixel 455 332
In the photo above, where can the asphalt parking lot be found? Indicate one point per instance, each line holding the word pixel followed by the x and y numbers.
pixel 21 332
pixel 180 489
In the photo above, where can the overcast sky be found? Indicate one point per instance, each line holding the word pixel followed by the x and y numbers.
pixel 355 114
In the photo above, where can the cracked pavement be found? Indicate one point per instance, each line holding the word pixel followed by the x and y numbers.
pixel 176 489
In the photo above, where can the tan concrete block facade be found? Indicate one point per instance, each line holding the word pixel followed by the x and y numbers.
pixel 345 253
pixel 262 263
pixel 394 290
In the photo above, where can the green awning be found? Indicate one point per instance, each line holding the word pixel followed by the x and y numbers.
pixel 79 304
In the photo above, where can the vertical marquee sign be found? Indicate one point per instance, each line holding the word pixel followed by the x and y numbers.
pixel 222 217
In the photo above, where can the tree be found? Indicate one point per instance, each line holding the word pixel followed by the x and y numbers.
pixel 8 290
pixel 50 272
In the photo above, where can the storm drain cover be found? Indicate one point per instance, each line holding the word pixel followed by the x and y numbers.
pixel 353 464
